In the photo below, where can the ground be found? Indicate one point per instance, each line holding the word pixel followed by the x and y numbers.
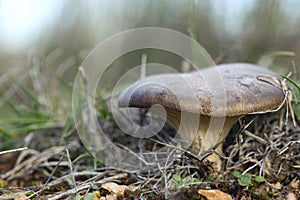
pixel 260 161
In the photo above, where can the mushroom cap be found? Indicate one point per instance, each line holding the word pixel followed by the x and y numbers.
pixel 224 90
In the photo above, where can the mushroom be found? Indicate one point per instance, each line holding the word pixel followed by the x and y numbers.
pixel 203 105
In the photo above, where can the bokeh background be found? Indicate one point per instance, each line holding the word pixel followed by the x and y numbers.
pixel 61 30
pixel 54 36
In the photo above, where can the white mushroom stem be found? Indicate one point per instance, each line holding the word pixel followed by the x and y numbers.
pixel 201 132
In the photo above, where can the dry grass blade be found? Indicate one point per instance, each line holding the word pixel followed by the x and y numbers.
pixel 88 114
pixel 13 150
pixel 33 162
pixel 268 151
pixel 87 185
pixel 259 139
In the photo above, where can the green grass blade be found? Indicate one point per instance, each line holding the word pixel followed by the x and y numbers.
pixel 30 93
pixel 293 82
pixel 34 127
pixel 280 53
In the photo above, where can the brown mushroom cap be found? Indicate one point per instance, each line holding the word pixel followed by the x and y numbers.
pixel 243 89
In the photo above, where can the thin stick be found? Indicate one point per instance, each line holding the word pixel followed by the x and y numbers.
pixel 13 150
pixel 257 138
pixel 87 185
pixel 50 177
pixel 71 170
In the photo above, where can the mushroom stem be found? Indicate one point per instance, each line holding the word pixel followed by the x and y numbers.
pixel 202 132
pixel 213 136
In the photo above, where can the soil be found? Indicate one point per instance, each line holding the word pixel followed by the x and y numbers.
pixel 56 168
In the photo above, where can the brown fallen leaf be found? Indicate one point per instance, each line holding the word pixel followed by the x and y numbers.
pixel 214 195
pixel 295 184
pixel 115 188
pixel 20 196
pixel 277 185
pixel 133 188
pixel 245 198
pixel 109 197
pixel 291 196
pixel 97 193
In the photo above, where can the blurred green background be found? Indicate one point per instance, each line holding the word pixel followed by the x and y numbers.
pixel 64 31
pixel 42 44
pixel 47 40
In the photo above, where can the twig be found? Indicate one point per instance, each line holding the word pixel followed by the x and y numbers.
pixel 21 168
pixel 88 114
pixel 49 178
pixel 13 150
pixel 259 139
pixel 134 154
pixel 71 169
pixel 87 185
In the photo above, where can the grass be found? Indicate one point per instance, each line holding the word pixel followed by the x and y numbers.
pixel 54 172
pixel 24 113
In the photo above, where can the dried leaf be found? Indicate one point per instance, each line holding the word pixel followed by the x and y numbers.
pixel 291 196
pixel 20 196
pixel 294 184
pixel 109 197
pixel 214 195
pixel 245 198
pixel 115 188
pixel 133 188
pixel 277 185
